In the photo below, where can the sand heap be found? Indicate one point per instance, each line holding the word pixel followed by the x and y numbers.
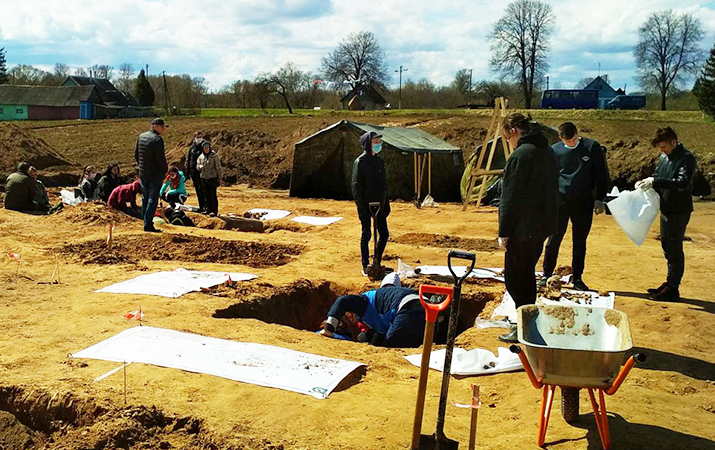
pixel 17 145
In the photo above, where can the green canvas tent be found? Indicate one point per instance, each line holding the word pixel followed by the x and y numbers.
pixel 498 163
pixel 322 163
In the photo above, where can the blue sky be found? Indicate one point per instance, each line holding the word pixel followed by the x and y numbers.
pixel 226 40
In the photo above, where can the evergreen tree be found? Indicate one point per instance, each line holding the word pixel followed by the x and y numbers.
pixel 4 77
pixel 145 93
pixel 704 88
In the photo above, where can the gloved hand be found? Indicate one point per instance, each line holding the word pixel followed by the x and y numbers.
pixel 503 241
pixel 645 184
pixel 599 207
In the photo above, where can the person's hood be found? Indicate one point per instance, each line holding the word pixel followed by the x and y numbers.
pixel 535 138
pixel 136 186
pixel 366 140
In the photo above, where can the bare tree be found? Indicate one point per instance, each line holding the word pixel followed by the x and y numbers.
pixel 28 75
pixel 101 71
pixel 285 82
pixel 668 51
pixel 463 83
pixel 80 72
pixel 519 43
pixel 126 77
pixel 359 59
pixel 61 70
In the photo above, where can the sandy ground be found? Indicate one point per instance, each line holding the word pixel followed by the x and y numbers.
pixel 666 402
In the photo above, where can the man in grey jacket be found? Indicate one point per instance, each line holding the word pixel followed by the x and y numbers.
pixel 151 159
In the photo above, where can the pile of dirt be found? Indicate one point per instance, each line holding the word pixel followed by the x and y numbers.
pixel 91 213
pixel 17 145
pixel 445 241
pixel 182 247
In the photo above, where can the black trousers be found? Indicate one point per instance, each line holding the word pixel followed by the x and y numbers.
pixel 672 232
pixel 198 185
pixel 210 198
pixel 366 222
pixel 580 213
pixel 519 269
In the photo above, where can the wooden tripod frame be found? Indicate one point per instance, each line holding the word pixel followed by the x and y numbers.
pixel 493 134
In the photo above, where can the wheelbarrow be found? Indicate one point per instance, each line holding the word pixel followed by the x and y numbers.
pixel 575 348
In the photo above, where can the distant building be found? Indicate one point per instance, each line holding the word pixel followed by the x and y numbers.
pixel 77 98
pixel 363 97
pixel 605 92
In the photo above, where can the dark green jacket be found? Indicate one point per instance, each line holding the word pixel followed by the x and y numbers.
pixel 673 180
pixel 530 188
pixel 20 192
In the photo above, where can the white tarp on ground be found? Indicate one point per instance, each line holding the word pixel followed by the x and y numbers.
pixel 310 220
pixel 270 214
pixel 507 307
pixel 259 364
pixel 473 362
pixel 174 283
pixel 490 274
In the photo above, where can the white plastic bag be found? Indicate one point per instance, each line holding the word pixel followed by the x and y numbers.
pixel 405 270
pixel 68 198
pixel 428 202
pixel 635 212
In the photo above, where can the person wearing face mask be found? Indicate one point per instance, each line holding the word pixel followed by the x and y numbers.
pixel 583 185
pixel 673 181
pixel 369 185
pixel 527 209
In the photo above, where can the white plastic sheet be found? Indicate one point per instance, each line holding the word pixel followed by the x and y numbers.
pixel 507 307
pixel 270 214
pixel 488 273
pixel 174 283
pixel 310 220
pixel 259 364
pixel 635 212
pixel 473 362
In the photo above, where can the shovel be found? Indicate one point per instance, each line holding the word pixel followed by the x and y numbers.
pixel 439 441
pixel 431 312
pixel 375 271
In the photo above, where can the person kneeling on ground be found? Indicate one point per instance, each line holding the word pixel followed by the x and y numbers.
pixel 126 193
pixel 20 190
pixel 210 167
pixel 173 190
pixel 176 217
pixel 394 314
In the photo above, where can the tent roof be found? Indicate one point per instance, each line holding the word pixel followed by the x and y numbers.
pixel 412 140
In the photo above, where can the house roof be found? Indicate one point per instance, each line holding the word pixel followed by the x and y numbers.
pixel 414 140
pixel 604 89
pixel 107 92
pixel 44 95
pixel 369 92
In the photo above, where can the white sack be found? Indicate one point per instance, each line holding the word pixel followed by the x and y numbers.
pixel 270 214
pixel 635 212
pixel 473 362
pixel 310 220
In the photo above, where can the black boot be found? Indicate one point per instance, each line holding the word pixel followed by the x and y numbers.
pixel 658 290
pixel 668 294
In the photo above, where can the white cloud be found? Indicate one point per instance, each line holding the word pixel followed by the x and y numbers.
pixel 228 40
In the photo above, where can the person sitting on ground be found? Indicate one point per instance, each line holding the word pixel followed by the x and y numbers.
pixel 20 190
pixel 126 193
pixel 393 313
pixel 210 167
pixel 109 181
pixel 174 189
pixel 88 184
pixel 177 217
pixel 41 198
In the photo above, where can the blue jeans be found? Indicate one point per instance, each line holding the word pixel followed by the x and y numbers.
pixel 150 200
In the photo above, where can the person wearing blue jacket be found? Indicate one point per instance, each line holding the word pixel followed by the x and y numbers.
pixel 174 188
pixel 393 313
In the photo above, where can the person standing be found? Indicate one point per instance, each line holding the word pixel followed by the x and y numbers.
pixel 369 185
pixel 195 150
pixel 209 165
pixel 673 181
pixel 149 155
pixel 527 209
pixel 583 185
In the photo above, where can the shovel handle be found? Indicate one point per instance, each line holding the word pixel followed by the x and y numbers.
pixel 432 310
pixel 374 208
pixel 461 255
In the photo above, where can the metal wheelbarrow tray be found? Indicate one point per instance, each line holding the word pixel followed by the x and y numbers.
pixel 574 347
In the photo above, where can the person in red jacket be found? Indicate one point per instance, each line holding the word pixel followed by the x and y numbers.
pixel 126 193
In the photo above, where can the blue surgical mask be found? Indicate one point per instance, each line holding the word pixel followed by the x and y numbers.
pixel 377 147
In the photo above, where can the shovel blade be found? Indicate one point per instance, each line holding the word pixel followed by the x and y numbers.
pixel 429 442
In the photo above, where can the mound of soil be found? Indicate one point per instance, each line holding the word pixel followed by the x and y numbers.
pixel 91 213
pixel 182 247
pixel 17 145
pixel 444 241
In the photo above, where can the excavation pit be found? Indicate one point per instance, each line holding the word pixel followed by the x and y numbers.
pixel 447 241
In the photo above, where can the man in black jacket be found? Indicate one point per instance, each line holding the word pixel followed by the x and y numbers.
pixel 369 184
pixel 151 159
pixel 195 150
pixel 673 181
pixel 528 208
pixel 583 185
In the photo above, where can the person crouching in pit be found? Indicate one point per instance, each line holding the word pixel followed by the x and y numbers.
pixel 173 190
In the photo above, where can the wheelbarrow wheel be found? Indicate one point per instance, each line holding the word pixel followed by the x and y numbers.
pixel 569 404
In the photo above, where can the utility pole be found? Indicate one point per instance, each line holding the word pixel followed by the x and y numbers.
pixel 166 94
pixel 547 82
pixel 469 92
pixel 400 97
